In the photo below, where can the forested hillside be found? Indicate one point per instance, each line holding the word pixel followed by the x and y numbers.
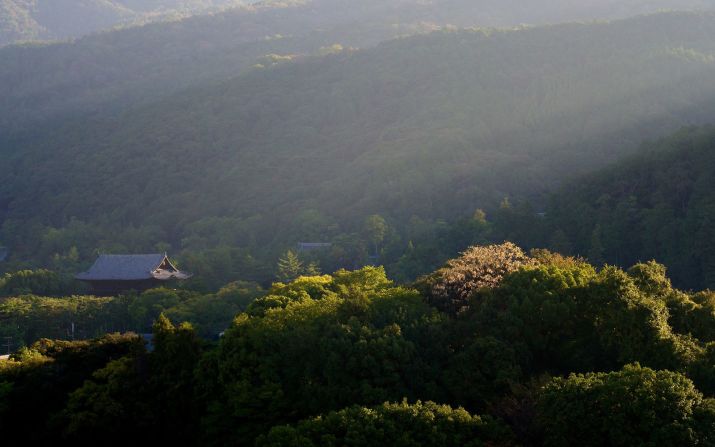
pixel 429 127
pixel 110 70
pixel 659 204
pixel 408 223
pixel 30 20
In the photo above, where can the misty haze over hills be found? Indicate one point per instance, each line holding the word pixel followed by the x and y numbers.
pixel 44 20
pixel 299 107
pixel 108 71
pixel 285 138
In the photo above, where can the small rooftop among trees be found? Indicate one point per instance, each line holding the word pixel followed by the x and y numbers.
pixel 312 246
pixel 114 273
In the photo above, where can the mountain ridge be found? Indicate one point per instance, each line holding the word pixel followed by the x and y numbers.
pixel 43 20
pixel 119 68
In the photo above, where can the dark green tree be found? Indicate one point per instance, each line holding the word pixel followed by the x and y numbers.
pixel 632 407
pixel 596 250
pixel 401 425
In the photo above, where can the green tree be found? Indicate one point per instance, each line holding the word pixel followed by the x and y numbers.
pixel 479 217
pixel 40 282
pixel 481 372
pixel 651 278
pixel 539 314
pixel 632 324
pixel 401 425
pixel 36 383
pixel 147 307
pixel 375 228
pixel 290 267
pixel 114 404
pixel 354 340
pixel 632 407
pixel 313 269
pixel 141 398
pixel 171 385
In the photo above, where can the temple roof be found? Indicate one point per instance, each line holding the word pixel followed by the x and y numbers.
pixel 132 268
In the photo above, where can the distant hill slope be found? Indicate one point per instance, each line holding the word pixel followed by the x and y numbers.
pixel 112 70
pixel 659 204
pixel 430 126
pixel 28 20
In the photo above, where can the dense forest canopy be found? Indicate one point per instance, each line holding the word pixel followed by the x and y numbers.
pixel 550 352
pixel 659 203
pixel 270 157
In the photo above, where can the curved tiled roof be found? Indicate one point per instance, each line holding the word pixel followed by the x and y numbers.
pixel 130 268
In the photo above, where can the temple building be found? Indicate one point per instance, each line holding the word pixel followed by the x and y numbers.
pixel 112 274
